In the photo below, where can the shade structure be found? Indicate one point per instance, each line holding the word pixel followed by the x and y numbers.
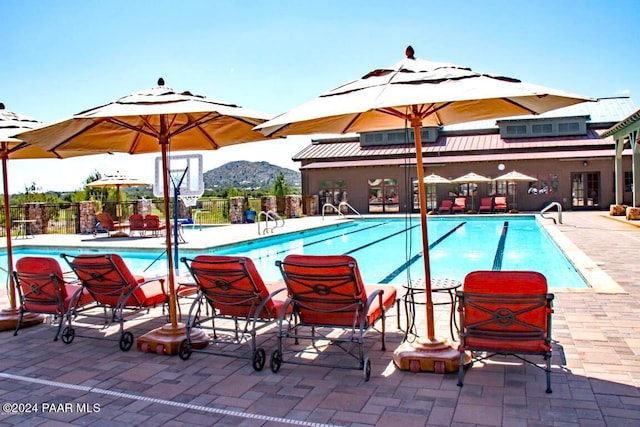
pixel 434 179
pixel 117 181
pixel 515 176
pixel 421 93
pixel 13 148
pixel 155 120
pixel 471 178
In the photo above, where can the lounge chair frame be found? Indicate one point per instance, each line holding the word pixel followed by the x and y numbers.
pixel 510 324
pixel 239 302
pixel 309 285
pixel 104 280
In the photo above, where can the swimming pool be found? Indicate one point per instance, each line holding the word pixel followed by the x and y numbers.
pixel 389 250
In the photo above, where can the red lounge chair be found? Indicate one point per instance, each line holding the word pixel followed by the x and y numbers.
pixel 110 283
pixel 42 289
pixel 486 205
pixel 500 204
pixel 136 223
pixel 506 313
pixel 459 205
pixel 239 299
pixel 108 224
pixel 326 293
pixel 445 206
pixel 152 223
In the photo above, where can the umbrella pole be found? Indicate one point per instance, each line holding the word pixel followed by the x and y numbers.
pixel 430 354
pixel 9 316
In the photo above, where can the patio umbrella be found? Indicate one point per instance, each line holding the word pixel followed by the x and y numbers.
pixel 12 148
pixel 421 93
pixel 117 181
pixel 155 120
pixel 471 178
pixel 515 176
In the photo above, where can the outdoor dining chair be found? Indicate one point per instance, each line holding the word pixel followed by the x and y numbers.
pixel 328 302
pixel 108 280
pixel 505 313
pixel 240 303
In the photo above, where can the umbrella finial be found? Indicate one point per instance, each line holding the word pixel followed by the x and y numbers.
pixel 1 106
pixel 160 81
pixel 409 52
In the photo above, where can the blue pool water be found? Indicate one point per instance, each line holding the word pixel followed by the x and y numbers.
pixel 390 250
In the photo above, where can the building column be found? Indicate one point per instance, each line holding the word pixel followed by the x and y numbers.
pixel 635 166
pixel 619 173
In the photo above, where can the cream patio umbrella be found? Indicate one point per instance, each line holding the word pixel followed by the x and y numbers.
pixel 433 179
pixel 514 176
pixel 421 93
pixel 155 120
pixel 471 178
pixel 13 148
pixel 117 181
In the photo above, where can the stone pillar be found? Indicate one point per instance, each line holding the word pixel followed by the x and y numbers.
pixel 633 213
pixel 144 207
pixel 292 207
pixel 268 204
pixel 87 217
pixel 310 205
pixel 236 210
pixel 38 213
pixel 617 210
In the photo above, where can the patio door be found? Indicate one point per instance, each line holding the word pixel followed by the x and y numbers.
pixel 585 190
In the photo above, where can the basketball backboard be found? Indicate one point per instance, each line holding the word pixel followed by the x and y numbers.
pixel 185 172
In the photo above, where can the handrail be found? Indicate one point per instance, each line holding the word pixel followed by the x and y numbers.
pixel 348 206
pixel 550 206
pixel 269 216
pixel 329 205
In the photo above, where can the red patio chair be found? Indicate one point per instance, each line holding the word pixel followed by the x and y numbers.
pixel 136 224
pixel 486 205
pixel 505 313
pixel 42 289
pixel 232 287
pixel 459 205
pixel 152 223
pixel 110 283
pixel 500 204
pixel 108 224
pixel 326 293
pixel 445 206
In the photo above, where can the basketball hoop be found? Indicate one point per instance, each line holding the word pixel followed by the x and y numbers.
pixel 190 200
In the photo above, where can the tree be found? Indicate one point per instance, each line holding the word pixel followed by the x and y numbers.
pixel 280 186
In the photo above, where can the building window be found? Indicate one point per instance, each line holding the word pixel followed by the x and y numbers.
pixel 546 184
pixel 516 130
pixel 628 181
pixel 383 195
pixel 570 127
pixel 333 192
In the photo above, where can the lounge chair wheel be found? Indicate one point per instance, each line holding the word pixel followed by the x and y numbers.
pixel 366 370
pixel 414 366
pixel 160 349
pixel 126 341
pixel 184 351
pixel 145 347
pixel 259 359
pixel 68 334
pixel 276 361
pixel 439 367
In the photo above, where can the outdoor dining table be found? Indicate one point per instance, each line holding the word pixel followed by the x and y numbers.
pixel 24 229
pixel 415 295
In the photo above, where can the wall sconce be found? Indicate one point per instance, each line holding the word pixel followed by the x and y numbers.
pixel 585 163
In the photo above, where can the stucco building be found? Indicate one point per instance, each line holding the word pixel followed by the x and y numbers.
pixel 565 150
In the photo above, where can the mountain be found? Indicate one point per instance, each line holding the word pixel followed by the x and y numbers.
pixel 244 174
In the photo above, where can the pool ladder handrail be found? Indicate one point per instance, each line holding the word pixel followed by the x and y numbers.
pixel 337 209
pixel 269 216
pixel 551 206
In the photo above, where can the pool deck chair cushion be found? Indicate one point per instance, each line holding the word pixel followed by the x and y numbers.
pixel 111 284
pixel 486 205
pixel 500 204
pixel 327 291
pixel 505 313
pixel 240 302
pixel 42 289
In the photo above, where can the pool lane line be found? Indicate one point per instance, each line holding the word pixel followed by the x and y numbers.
pixel 497 260
pixel 379 240
pixel 283 251
pixel 395 273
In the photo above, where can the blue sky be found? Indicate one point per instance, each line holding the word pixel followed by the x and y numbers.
pixel 63 57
